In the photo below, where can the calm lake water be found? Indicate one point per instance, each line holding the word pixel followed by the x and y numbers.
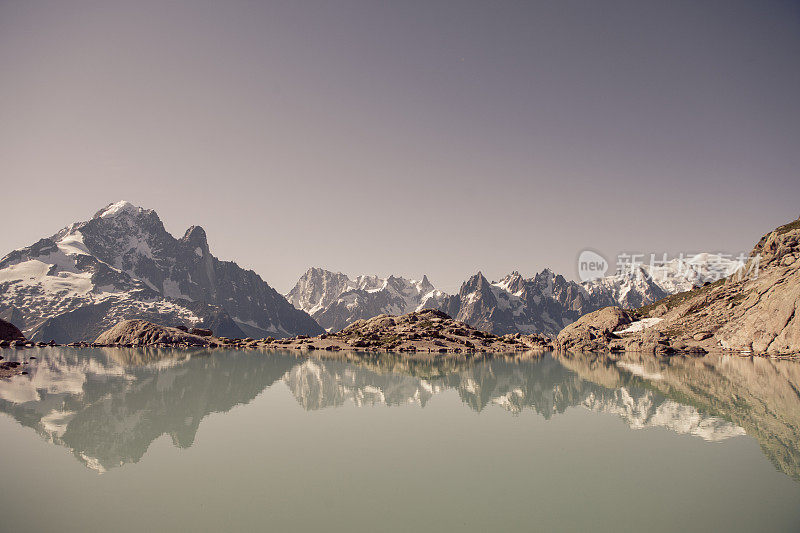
pixel 153 440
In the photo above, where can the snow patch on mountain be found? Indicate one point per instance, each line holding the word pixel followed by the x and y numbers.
pixel 640 325
pixel 122 206
pixel 72 244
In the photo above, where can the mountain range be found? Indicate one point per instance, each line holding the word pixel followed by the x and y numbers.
pixel 544 303
pixel 123 264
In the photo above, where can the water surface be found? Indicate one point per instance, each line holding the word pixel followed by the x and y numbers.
pixel 137 439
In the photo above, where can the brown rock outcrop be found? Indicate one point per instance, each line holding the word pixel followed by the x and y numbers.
pixel 144 333
pixel 429 331
pixel 594 331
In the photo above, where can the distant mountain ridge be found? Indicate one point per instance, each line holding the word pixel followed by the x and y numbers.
pixel 544 303
pixel 335 300
pixel 121 264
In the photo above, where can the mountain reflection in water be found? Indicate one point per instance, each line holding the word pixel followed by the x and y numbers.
pixel 108 405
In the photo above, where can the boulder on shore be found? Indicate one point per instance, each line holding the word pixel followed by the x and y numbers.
pixel 591 332
pixel 143 333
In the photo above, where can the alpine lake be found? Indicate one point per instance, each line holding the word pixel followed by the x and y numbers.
pixel 117 439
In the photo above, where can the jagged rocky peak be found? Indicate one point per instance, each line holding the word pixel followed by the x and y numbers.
pixel 425 283
pixel 317 288
pixel 547 279
pixel 513 283
pixel 195 237
pixel 477 282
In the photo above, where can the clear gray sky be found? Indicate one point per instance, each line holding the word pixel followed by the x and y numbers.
pixel 406 137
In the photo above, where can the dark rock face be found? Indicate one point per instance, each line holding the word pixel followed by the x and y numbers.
pixel 481 308
pixel 10 332
pixel 123 264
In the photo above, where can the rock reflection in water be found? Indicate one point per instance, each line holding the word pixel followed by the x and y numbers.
pixel 108 405
pixel 760 395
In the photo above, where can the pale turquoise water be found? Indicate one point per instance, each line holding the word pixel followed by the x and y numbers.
pixel 133 440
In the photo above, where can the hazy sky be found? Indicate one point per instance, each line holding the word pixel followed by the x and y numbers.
pixel 406 137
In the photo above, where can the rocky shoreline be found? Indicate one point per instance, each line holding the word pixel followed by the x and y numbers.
pixel 428 331
pixel 752 312
pixel 422 332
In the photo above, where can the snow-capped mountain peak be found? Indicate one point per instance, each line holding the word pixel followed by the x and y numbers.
pixel 122 263
pixel 119 208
